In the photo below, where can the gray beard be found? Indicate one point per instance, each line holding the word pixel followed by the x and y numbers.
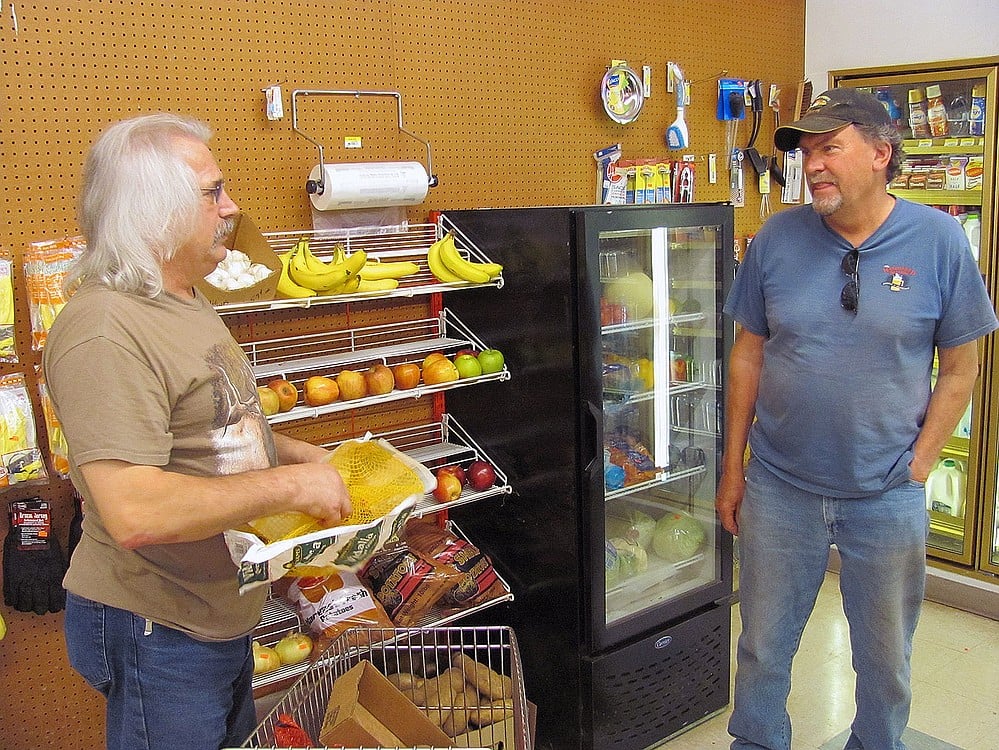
pixel 224 230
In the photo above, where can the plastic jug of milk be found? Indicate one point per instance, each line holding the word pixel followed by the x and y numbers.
pixel 945 488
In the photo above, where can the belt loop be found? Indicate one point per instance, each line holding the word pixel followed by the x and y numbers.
pixel 149 628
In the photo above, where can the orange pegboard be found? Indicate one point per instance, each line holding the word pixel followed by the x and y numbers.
pixel 505 91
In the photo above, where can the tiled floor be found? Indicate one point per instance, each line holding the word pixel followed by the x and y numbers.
pixel 955 680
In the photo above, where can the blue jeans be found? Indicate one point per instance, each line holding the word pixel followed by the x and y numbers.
pixel 164 689
pixel 784 539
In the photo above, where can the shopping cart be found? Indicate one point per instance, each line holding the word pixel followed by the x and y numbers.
pixel 425 652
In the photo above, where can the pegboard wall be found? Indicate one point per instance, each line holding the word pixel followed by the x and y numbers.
pixel 506 93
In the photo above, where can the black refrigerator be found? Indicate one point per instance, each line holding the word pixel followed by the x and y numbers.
pixel 609 431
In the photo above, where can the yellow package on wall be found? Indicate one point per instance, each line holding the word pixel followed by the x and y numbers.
pixel 20 457
pixel 45 267
pixel 7 351
pixel 58 449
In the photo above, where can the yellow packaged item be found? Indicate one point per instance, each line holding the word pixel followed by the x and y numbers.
pixel 45 266
pixel 58 449
pixel 7 351
pixel 20 458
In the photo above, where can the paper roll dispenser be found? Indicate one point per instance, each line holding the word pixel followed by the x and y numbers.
pixel 316 184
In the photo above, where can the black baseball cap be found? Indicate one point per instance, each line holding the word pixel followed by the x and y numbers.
pixel 831 111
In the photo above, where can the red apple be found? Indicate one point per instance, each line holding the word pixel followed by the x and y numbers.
pixel 458 472
pixel 481 476
pixel 379 379
pixel 287 393
pixel 407 375
pixel 448 487
pixel 320 390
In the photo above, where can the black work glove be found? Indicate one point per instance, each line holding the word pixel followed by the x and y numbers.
pixel 75 526
pixel 33 565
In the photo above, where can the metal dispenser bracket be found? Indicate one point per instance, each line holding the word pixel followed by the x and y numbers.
pixel 318 186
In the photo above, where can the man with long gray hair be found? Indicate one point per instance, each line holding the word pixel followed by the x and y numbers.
pixel 168 446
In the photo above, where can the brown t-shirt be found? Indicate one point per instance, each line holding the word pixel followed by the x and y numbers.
pixel 158 382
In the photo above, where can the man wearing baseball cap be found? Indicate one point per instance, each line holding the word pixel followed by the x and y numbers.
pixel 842 306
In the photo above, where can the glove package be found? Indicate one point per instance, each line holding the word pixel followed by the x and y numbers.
pixel 33 562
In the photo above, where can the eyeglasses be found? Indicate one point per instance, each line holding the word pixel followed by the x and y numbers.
pixel 849 297
pixel 215 190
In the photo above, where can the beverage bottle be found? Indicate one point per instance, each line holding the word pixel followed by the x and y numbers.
pixel 973 228
pixel 976 117
pixel 936 112
pixel 945 488
pixel 884 96
pixel 917 114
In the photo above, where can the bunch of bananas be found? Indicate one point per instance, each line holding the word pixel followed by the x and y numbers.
pixel 305 275
pixel 448 265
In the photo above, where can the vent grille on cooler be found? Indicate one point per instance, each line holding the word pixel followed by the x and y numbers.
pixel 642 694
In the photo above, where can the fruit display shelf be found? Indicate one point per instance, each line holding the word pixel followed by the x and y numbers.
pixel 435 444
pixel 409 242
pixel 295 358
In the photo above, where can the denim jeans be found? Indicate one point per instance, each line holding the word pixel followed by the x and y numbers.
pixel 164 689
pixel 784 538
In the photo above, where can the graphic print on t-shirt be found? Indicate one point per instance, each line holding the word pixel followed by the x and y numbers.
pixel 898 278
pixel 240 433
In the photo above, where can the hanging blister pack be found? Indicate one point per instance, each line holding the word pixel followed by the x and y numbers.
pixel 791 192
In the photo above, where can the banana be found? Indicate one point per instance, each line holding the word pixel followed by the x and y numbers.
pixel 332 276
pixel 3 628
pixel 350 286
pixel 457 265
pixel 377 285
pixel 375 270
pixel 437 267
pixel 288 288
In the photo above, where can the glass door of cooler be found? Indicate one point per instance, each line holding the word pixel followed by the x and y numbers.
pixel 661 354
pixel 946 112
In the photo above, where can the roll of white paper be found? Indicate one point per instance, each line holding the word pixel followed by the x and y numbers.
pixel 370 185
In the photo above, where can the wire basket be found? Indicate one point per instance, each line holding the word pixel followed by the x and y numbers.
pixel 426 652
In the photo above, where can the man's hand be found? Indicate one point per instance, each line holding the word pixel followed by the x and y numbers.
pixel 728 499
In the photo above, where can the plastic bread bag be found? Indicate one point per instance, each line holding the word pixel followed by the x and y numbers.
pixel 20 457
pixel 331 605
pixel 45 266
pixel 7 351
pixel 384 486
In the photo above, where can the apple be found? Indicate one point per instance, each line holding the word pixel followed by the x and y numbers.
pixel 407 375
pixel 491 360
pixel 320 390
pixel 287 393
pixel 448 487
pixel 467 366
pixel 440 371
pixel 294 648
pixel 270 402
pixel 473 352
pixel 379 379
pixel 352 385
pixel 457 471
pixel 433 356
pixel 265 659
pixel 481 476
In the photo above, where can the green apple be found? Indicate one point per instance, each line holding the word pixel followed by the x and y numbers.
pixel 468 366
pixel 490 360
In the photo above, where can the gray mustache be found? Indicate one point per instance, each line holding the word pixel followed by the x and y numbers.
pixel 224 229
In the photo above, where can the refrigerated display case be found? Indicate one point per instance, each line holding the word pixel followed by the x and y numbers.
pixel 950 163
pixel 610 438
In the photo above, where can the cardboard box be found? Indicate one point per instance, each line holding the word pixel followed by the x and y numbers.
pixel 246 237
pixel 366 710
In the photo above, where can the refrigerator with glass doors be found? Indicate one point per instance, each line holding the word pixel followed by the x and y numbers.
pixel 610 435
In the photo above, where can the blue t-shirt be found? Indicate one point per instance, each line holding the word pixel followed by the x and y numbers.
pixel 842 396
